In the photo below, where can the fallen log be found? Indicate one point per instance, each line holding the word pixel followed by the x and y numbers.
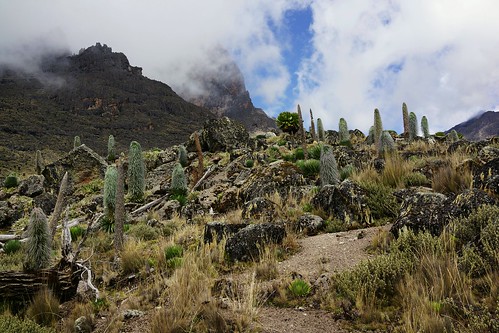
pixel 4 238
pixel 149 205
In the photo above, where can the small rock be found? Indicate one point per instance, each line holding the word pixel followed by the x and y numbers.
pixel 129 314
pixel 83 325
pixel 32 186
pixel 310 224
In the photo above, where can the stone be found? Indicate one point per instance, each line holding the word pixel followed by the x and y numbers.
pixel 346 201
pixel 309 224
pixel 221 230
pixel 131 313
pixel 82 164
pixel 249 242
pixel 46 201
pixel 169 209
pixel 468 201
pixel 488 153
pixel 32 186
pixel 83 325
pixel 8 214
pixel 422 211
pixel 260 208
pixel 221 134
pixel 486 177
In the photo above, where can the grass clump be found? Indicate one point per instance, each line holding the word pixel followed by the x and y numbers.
pixel 173 256
pixel 380 200
pixel 449 180
pixel 143 232
pixel 132 257
pixel 12 246
pixel 76 232
pixel 310 167
pixel 44 309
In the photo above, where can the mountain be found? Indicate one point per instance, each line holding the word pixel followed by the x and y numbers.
pixel 93 94
pixel 220 88
pixel 480 127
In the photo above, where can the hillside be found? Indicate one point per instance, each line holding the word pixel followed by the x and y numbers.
pixel 484 126
pixel 93 94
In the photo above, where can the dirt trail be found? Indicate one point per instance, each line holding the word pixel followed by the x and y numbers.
pixel 326 253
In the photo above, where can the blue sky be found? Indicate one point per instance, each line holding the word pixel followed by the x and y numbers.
pixel 339 58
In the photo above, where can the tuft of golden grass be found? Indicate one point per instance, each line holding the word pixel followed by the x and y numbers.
pixel 132 256
pixel 44 309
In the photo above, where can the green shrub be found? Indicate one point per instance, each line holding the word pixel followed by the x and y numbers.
pixel 11 181
pixel 329 173
pixel 111 150
pixel 182 156
pixel 143 232
pixel 110 181
pixel 12 246
pixel 249 163
pixel 179 182
pixel 380 200
pixel 288 122
pixel 314 151
pixel 309 167
pixel 38 244
pixel 136 172
pixel 11 324
pixel 440 134
pixel 76 232
pixel 299 288
pixel 346 171
pixel 173 251
pixel 415 179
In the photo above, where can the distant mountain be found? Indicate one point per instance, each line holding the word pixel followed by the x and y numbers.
pixel 220 87
pixel 92 94
pixel 480 127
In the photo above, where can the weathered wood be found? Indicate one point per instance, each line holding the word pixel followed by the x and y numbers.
pixel 4 238
pixel 61 279
pixel 206 174
pixel 149 205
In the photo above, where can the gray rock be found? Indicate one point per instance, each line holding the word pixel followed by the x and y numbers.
pixel 486 177
pixel 82 164
pixel 83 325
pixel 46 201
pixel 248 242
pixel 260 208
pixel 129 314
pixel 168 209
pixel 32 186
pixel 346 201
pixel 219 230
pixel 309 224
pixel 10 212
pixel 221 134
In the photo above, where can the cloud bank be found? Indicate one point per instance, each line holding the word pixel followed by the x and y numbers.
pixel 438 56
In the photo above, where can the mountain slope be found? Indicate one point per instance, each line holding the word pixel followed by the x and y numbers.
pixel 481 127
pixel 92 94
pixel 220 88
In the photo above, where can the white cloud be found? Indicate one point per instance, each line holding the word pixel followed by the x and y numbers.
pixel 438 56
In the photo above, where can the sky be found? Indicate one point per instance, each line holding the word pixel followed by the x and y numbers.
pixel 339 58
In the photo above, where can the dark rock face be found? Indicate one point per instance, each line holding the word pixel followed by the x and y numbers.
pixel 82 164
pixel 480 127
pixel 222 135
pixel 221 90
pixel 46 202
pixel 309 224
pixel 346 201
pixel 32 186
pixel 248 242
pixel 9 214
pixel 260 208
pixel 219 230
pixel 433 211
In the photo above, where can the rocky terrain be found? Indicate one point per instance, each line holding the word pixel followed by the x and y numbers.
pixel 258 243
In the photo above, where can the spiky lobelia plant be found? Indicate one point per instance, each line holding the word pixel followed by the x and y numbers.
pixel 38 243
pixel 320 129
pixel 111 150
pixel 179 183
pixel 110 180
pixel 378 127
pixel 119 213
pixel 136 172
pixel 39 164
pixel 413 126
pixel 312 126
pixel 453 136
pixel 386 145
pixel 76 142
pixel 302 134
pixel 424 127
pixel 405 118
pixel 370 136
pixel 343 130
pixel 328 173
pixel 182 156
pixel 59 204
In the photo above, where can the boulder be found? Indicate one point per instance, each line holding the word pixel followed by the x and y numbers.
pixel 486 177
pixel 32 186
pixel 422 211
pixel 219 230
pixel 260 208
pixel 221 134
pixel 346 201
pixel 281 177
pixel 488 153
pixel 82 164
pixel 309 224
pixel 249 242
pixel 9 214
pixel 83 325
pixel 46 201
pixel 467 202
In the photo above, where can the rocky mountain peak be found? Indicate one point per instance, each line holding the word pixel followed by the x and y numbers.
pixel 101 57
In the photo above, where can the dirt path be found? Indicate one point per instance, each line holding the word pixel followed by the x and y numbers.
pixel 326 253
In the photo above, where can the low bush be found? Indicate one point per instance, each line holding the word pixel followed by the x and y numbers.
pixel 143 232
pixel 249 163
pixel 11 181
pixel 415 179
pixel 11 324
pixel 380 200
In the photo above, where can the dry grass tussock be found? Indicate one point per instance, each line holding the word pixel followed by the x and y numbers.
pixel 454 177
